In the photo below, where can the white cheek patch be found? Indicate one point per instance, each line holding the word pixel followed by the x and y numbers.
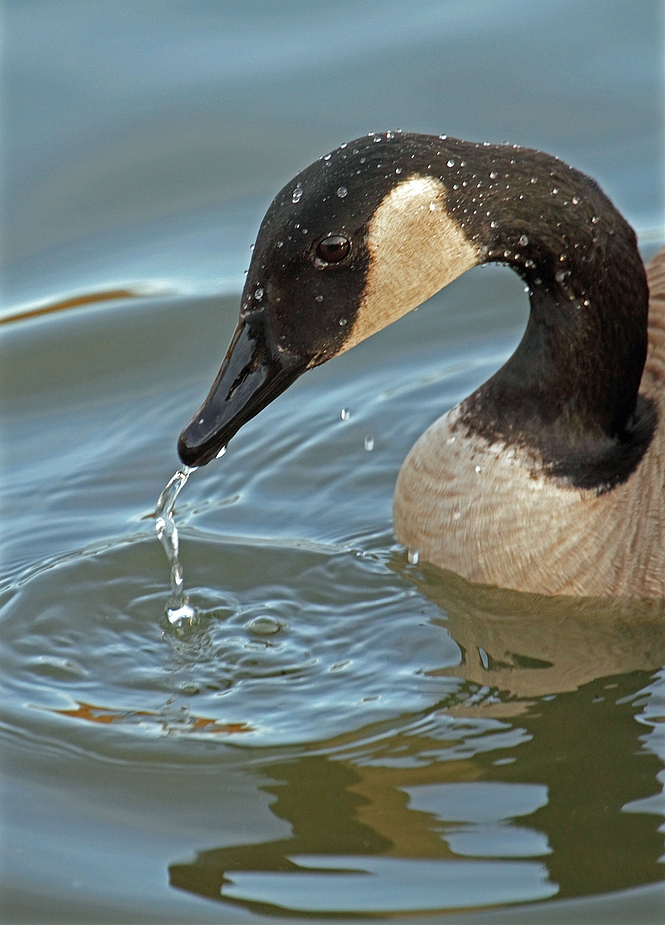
pixel 415 249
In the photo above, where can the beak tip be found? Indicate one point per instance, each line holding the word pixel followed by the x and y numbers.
pixel 192 453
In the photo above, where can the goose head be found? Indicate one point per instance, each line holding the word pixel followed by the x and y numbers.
pixel 368 232
pixel 353 242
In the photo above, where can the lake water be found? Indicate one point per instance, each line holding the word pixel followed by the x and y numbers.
pixel 339 732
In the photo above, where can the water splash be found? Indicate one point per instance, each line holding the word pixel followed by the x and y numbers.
pixel 178 609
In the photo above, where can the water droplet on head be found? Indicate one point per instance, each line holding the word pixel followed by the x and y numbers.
pixel 479 469
pixel 575 200
pixel 524 240
pixel 450 163
pixel 560 276
pixel 258 294
pixel 595 220
pixel 296 195
pixel 534 180
pixel 342 191
pixel 343 322
pixel 555 191
pixel 398 169
pixel 318 298
pixel 412 556
pixel 494 224
pixel 493 175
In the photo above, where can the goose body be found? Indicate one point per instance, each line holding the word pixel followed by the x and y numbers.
pixel 548 478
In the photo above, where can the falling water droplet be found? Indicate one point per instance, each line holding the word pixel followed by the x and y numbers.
pixel 413 556
pixel 177 609
pixel 345 414
pixel 369 443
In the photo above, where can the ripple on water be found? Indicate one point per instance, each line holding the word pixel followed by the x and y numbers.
pixel 288 640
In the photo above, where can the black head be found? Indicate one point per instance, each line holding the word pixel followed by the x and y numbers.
pixel 352 242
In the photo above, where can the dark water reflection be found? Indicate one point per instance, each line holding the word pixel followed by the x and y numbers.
pixel 564 791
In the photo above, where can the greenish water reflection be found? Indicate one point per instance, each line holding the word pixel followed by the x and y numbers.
pixel 562 789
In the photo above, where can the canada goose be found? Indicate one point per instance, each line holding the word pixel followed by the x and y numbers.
pixel 549 477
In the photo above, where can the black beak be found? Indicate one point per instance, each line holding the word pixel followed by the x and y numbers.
pixel 251 376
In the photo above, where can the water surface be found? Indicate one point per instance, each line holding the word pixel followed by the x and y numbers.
pixel 339 731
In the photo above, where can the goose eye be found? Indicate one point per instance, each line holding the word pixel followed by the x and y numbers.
pixel 333 249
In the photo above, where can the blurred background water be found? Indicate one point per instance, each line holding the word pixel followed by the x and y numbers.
pixel 340 732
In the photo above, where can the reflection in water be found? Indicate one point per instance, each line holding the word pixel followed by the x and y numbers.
pixel 529 645
pixel 462 807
